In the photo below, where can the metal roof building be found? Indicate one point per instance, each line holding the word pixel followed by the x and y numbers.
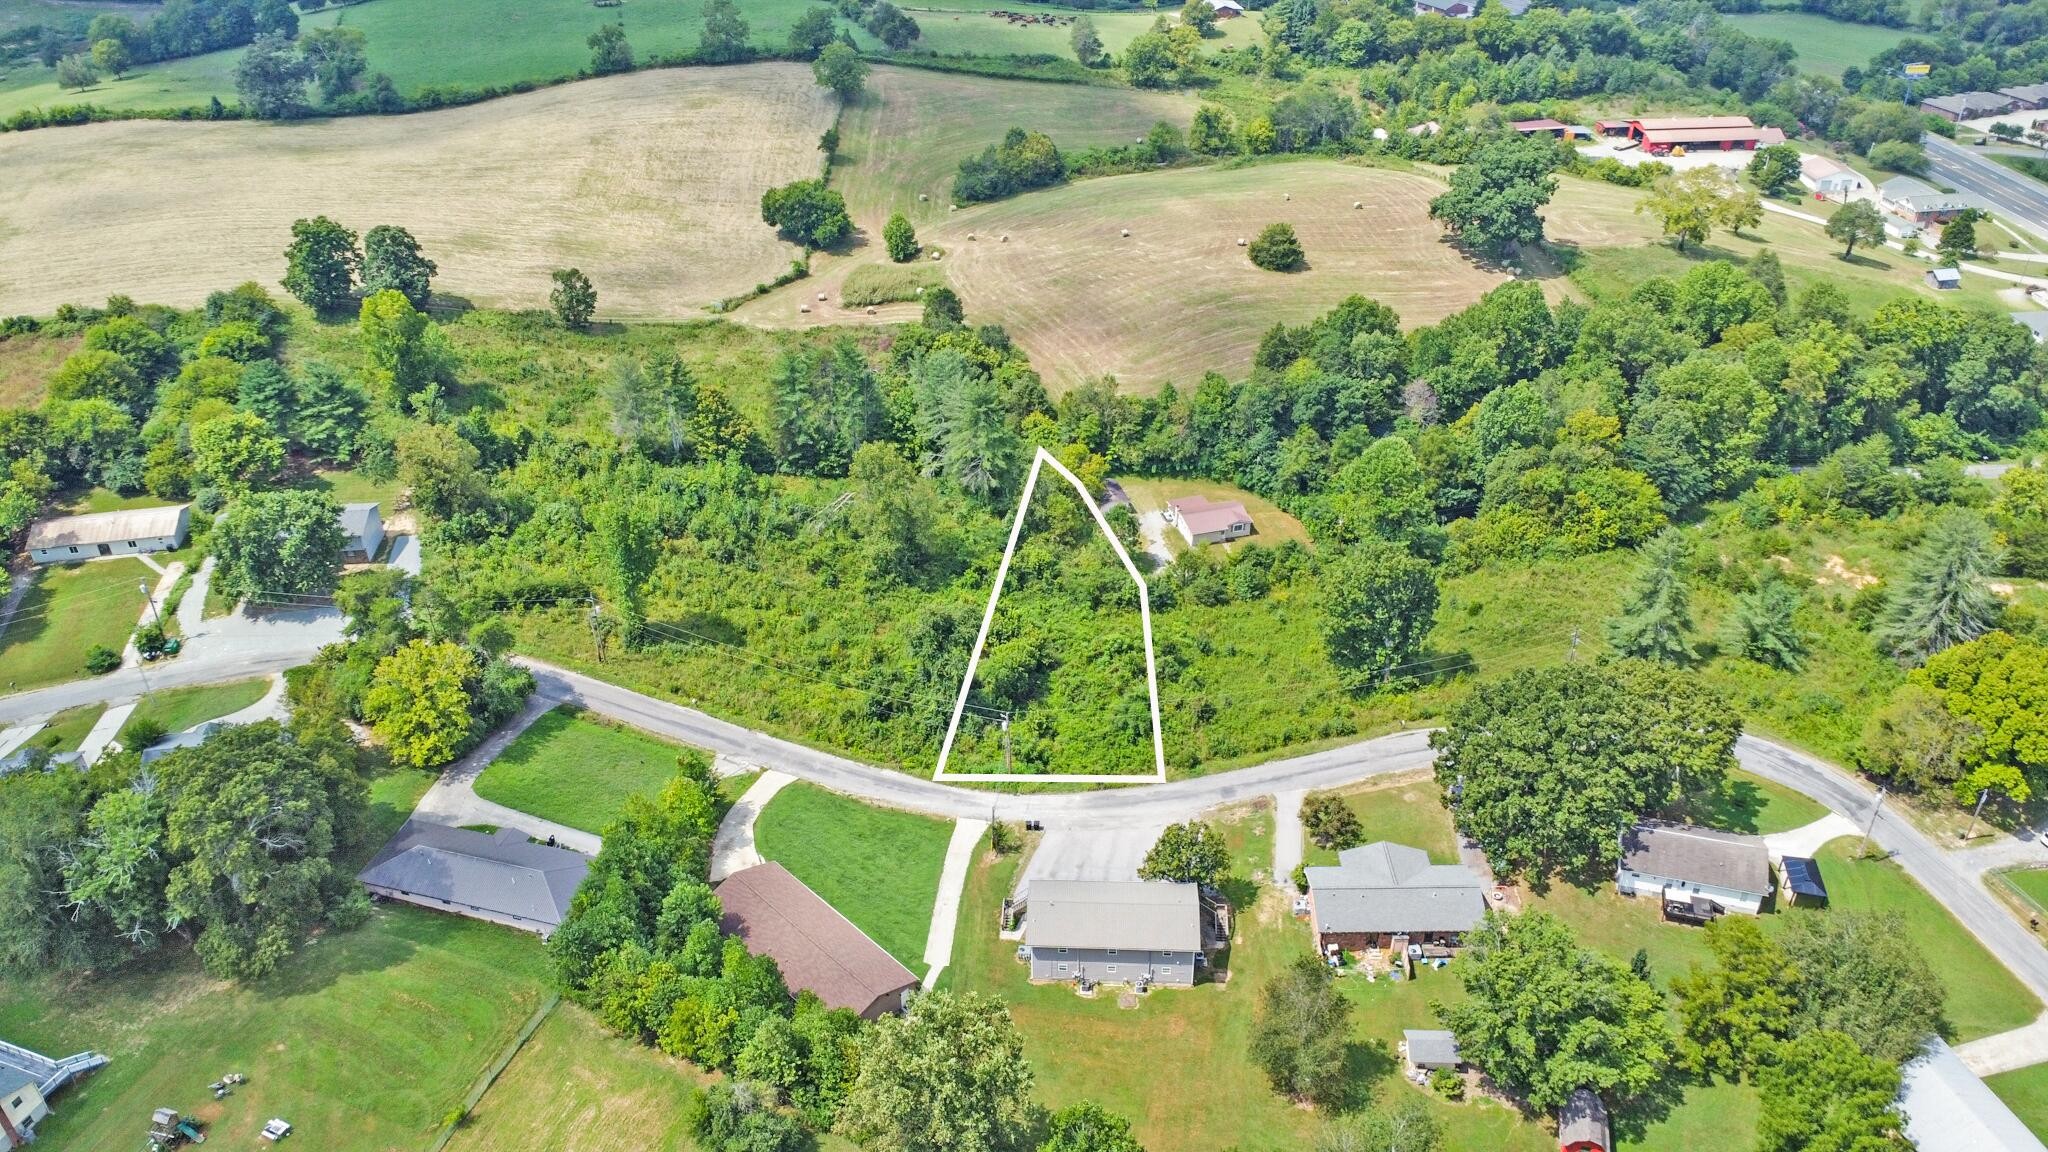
pixel 122 533
pixel 1948 1109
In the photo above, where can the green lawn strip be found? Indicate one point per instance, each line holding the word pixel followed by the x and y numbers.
pixel 1407 813
pixel 393 796
pixel 364 1040
pixel 1983 998
pixel 2030 883
pixel 2025 1091
pixel 70 609
pixel 1759 807
pixel 176 709
pixel 1618 925
pixel 573 1075
pixel 879 867
pixel 1825 45
pixel 577 770
pixel 65 731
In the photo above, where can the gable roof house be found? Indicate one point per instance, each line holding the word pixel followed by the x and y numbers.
pixel 498 877
pixel 27 1080
pixel 1827 177
pixel 1917 200
pixel 775 914
pixel 1226 9
pixel 1114 931
pixel 2026 97
pixel 362 526
pixel 1382 890
pixel 1455 9
pixel 1969 105
pixel 1205 521
pixel 128 532
pixel 1698 873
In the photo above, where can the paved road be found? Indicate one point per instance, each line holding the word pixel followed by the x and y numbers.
pixel 1989 184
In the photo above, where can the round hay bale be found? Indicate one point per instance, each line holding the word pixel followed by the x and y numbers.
pixel 1127 231
pixel 1287 195
pixel 921 198
pixel 871 309
pixel 1240 241
pixel 821 297
pixel 1006 238
pixel 803 307
pixel 919 291
pixel 1358 203
pixel 971 236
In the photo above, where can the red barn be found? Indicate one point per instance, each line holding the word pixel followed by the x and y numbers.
pixel 1659 137
pixel 1582 1124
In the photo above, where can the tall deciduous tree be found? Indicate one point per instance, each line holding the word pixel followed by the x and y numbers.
pixel 627 548
pixel 1300 1032
pixel 235 450
pixel 1379 604
pixel 1086 42
pixel 724 40
pixel 1497 195
pixel 1959 237
pixel 1088 1127
pixel 1730 1014
pixel 1407 1126
pixel 1193 852
pixel 1996 689
pixel 609 51
pixel 1944 597
pixel 1865 974
pixel 573 299
pixel 811 32
pixel 279 543
pixel 1825 1092
pixel 419 703
pixel 271 78
pixel 900 238
pixel 1547 768
pixel 338 56
pixel 1693 203
pixel 948 1075
pixel 806 212
pixel 1546 1017
pixel 403 353
pixel 320 263
pixel 1856 222
pixel 840 68
pixel 1656 615
pixel 392 261
pixel 1775 169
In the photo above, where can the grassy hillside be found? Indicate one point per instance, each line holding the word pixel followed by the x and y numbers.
pixel 1825 45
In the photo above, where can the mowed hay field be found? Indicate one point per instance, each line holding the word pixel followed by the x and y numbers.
pixel 650 183
pixel 1178 297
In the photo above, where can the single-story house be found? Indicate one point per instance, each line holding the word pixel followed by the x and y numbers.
pixel 27 1081
pixel 1827 177
pixel 1582 1124
pixel 496 876
pixel 1948 1109
pixel 2026 97
pixel 1426 128
pixel 1698 873
pixel 1430 1049
pixel 1803 883
pixel 1969 105
pixel 1918 201
pixel 775 914
pixel 1545 125
pixel 1205 521
pixel 1226 9
pixel 125 533
pixel 362 525
pixel 1944 278
pixel 1380 891
pixel 1114 931
pixel 1455 9
pixel 23 759
pixel 191 737
pixel 2035 322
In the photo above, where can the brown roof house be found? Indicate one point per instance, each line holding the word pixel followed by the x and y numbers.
pixel 1699 873
pixel 775 914
pixel 1205 521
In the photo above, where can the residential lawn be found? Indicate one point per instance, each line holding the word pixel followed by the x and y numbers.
pixel 364 1041
pixel 1718 1117
pixel 1618 925
pixel 65 731
pixel 393 796
pixel 575 1087
pixel 176 709
pixel 2031 883
pixel 2026 1092
pixel 1271 525
pixel 349 486
pixel 1983 998
pixel 70 609
pixel 879 867
pixel 578 770
pixel 1825 45
pixel 1755 806
pixel 1408 813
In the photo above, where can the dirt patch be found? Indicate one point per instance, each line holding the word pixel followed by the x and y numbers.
pixel 650 183
pixel 1839 572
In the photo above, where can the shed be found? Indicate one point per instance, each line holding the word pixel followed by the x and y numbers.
pixel 1226 9
pixel 499 877
pixel 362 525
pixel 128 532
pixel 1698 873
pixel 1117 931
pixel 1582 1124
pixel 1946 279
pixel 777 915
pixel 1205 521
pixel 1544 125
pixel 1802 879
pixel 1430 1048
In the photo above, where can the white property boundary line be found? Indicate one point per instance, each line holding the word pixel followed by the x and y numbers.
pixel 1039 461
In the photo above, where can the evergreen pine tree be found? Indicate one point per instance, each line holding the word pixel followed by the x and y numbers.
pixel 1943 598
pixel 1657 614
pixel 1763 629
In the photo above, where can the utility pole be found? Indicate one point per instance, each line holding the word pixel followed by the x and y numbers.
pixel 1574 653
pixel 1864 846
pixel 1982 794
pixel 143 586
pixel 1006 742
pixel 596 641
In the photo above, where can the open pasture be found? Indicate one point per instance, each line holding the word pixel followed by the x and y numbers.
pixel 650 183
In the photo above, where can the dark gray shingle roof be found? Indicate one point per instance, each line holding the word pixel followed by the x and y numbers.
pixel 1386 887
pixel 500 872
pixel 1698 855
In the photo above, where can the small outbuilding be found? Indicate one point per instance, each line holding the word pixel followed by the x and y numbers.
pixel 1205 521
pixel 362 526
pixel 129 532
pixel 1226 9
pixel 1802 880
pixel 1945 279
pixel 499 876
pixel 1542 127
pixel 1582 1124
pixel 1698 873
pixel 775 914
pixel 1429 1049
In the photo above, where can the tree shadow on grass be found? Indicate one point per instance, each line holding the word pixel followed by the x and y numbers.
pixel 1631 1120
pixel 1860 260
pixel 1366 1063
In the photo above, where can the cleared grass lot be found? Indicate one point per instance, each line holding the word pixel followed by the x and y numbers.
pixel 65 731
pixel 1825 45
pixel 2026 1092
pixel 879 867
pixel 176 709
pixel 70 609
pixel 650 183
pixel 576 770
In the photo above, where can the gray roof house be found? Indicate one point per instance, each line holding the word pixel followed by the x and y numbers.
pixel 775 914
pixel 2035 322
pixel 1698 873
pixel 499 877
pixel 362 525
pixel 1115 931
pixel 1948 1109
pixel 2028 96
pixel 1917 200
pixel 191 737
pixel 1969 105
pixel 1381 890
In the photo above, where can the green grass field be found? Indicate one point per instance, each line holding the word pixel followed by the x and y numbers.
pixel 575 1086
pixel 65 731
pixel 576 770
pixel 365 1040
pixel 2026 1092
pixel 1758 807
pixel 2031 883
pixel 1825 45
pixel 176 709
pixel 877 866
pixel 70 609
pixel 1406 813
